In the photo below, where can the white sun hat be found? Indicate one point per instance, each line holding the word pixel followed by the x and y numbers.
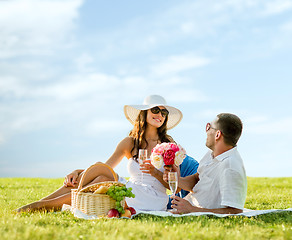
pixel 174 116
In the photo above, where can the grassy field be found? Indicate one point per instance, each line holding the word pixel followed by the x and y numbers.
pixel 263 193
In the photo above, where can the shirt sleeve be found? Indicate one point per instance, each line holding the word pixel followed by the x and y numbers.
pixel 189 166
pixel 233 188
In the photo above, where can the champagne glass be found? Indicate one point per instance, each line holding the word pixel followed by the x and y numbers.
pixel 173 182
pixel 142 157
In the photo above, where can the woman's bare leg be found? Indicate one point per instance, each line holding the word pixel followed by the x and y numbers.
pixel 92 176
pixel 62 190
pixel 58 193
pixel 95 172
pixel 50 203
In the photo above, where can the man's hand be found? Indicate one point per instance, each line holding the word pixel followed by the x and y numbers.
pixel 71 179
pixel 182 206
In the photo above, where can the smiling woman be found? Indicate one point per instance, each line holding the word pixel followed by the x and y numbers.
pixel 151 122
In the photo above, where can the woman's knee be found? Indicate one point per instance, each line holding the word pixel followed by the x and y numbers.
pixel 102 178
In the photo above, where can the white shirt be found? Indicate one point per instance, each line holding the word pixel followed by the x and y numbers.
pixel 222 182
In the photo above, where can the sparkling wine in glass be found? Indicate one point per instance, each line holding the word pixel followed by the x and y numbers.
pixel 172 181
pixel 142 157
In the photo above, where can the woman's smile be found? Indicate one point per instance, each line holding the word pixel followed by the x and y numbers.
pixel 157 119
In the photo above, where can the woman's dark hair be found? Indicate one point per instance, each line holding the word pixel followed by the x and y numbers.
pixel 138 133
pixel 231 127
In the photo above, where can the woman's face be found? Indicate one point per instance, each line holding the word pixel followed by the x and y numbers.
pixel 156 120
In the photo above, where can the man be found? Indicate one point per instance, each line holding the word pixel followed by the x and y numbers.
pixel 220 184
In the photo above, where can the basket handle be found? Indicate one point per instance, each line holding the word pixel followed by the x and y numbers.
pixel 92 166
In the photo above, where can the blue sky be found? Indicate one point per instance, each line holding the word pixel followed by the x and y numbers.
pixel 67 68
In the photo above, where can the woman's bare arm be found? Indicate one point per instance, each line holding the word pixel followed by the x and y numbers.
pixel 148 168
pixel 122 150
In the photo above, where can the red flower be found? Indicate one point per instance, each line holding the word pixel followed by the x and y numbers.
pixel 168 157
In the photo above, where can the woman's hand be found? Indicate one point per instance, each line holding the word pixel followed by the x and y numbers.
pixel 71 179
pixel 147 167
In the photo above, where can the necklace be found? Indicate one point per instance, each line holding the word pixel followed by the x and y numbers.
pixel 154 140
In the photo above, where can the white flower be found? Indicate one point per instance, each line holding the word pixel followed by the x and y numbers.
pixel 179 157
pixel 157 161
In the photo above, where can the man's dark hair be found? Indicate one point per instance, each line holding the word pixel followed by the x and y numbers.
pixel 231 127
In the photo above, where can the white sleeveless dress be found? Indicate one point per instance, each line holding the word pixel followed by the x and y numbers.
pixel 150 194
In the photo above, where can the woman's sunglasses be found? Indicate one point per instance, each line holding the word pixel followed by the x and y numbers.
pixel 156 110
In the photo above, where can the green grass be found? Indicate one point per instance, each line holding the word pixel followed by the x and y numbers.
pixel 263 193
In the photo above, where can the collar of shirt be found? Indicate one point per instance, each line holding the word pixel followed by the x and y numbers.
pixel 225 155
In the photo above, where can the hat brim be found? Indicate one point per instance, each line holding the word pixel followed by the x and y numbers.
pixel 174 116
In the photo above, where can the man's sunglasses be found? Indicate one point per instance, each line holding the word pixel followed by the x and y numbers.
pixel 208 127
pixel 156 110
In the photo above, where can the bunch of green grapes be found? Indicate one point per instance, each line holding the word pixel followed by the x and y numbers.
pixel 118 194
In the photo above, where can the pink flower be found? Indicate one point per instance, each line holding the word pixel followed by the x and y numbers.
pixel 158 150
pixel 168 157
pixel 167 153
pixel 174 147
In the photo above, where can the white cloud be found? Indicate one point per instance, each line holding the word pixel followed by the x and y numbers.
pixel 270 126
pixel 83 61
pixel 187 27
pixel 286 27
pixel 32 106
pixel 108 126
pixel 74 87
pixel 30 116
pixel 184 95
pixel 35 27
pixel 276 7
pixel 70 87
pixel 256 119
pixel 178 63
pixel 2 139
pixel 210 114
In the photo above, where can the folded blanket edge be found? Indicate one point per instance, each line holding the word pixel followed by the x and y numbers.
pixel 247 213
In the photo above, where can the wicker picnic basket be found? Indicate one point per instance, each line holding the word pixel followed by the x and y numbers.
pixel 92 203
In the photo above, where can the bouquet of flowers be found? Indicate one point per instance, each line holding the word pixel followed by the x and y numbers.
pixel 167 153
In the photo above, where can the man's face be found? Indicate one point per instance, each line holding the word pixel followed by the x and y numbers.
pixel 211 132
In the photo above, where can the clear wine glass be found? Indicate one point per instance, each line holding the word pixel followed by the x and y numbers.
pixel 142 157
pixel 173 182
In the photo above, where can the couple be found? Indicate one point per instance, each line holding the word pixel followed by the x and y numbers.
pixel 219 185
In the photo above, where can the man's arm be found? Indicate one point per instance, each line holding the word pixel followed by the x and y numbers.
pixel 184 206
pixel 187 183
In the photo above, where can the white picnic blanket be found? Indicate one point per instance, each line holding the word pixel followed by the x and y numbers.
pixel 246 213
